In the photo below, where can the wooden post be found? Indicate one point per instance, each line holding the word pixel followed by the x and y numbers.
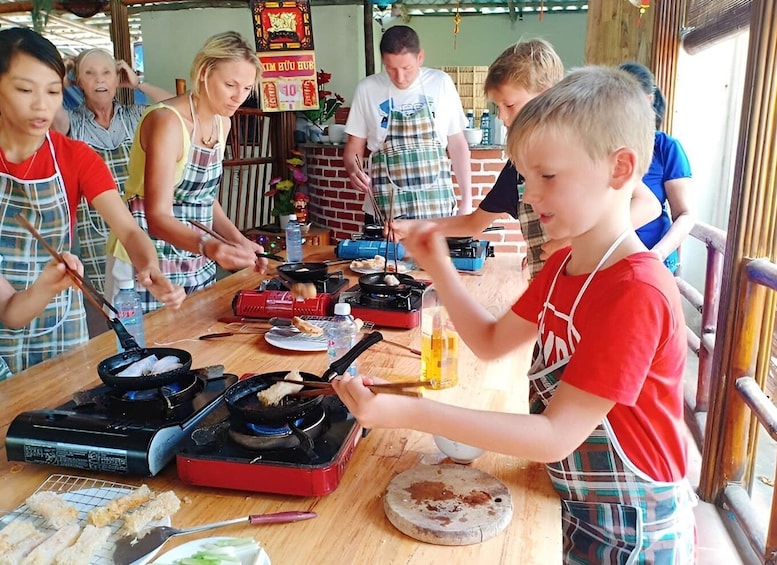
pixel 616 33
pixel 369 48
pixel 122 47
pixel 668 21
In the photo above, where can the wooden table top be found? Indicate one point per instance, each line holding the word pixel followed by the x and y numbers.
pixel 351 526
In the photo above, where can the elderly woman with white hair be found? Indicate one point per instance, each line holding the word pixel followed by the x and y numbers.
pixel 108 127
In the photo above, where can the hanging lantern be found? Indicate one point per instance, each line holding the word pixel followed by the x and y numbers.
pixel 643 5
pixel 456 22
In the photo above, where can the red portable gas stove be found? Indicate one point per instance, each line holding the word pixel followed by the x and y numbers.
pixel 273 298
pixel 307 457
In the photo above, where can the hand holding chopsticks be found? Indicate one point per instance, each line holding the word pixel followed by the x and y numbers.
pixel 235 256
pixel 91 293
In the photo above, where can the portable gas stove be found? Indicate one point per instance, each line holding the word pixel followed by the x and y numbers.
pixel 368 244
pixel 469 254
pixel 399 310
pixel 306 458
pixel 107 429
pixel 273 298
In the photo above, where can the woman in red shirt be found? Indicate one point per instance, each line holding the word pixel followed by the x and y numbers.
pixel 43 175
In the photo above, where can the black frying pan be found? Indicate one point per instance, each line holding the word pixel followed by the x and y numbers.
pixel 242 403
pixel 373 283
pixel 108 368
pixel 303 272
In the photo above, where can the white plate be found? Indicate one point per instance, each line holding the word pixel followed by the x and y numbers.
pixel 402 266
pixel 192 547
pixel 299 341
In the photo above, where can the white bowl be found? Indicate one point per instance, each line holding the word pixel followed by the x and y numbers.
pixel 337 133
pixel 473 135
pixel 456 451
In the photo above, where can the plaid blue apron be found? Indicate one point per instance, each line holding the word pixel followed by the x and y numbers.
pixel 414 166
pixel 193 199
pixel 91 229
pixel 62 325
pixel 611 512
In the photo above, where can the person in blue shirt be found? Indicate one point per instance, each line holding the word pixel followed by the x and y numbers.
pixel 669 178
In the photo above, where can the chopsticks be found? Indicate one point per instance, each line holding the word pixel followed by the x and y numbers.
pixel 91 293
pixel 322 388
pixel 378 214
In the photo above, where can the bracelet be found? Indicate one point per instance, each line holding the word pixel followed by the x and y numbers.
pixel 204 238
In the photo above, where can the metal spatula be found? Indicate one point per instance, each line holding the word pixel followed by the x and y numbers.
pixel 128 550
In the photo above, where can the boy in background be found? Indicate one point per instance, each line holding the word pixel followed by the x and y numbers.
pixel 522 72
pixel 607 377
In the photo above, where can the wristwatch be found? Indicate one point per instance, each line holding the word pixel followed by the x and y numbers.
pixel 204 238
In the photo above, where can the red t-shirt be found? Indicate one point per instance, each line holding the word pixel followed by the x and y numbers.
pixel 632 350
pixel 83 170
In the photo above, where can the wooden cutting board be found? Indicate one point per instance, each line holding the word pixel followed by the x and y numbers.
pixel 448 504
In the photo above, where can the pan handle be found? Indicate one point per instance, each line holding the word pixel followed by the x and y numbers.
pixel 127 341
pixel 341 365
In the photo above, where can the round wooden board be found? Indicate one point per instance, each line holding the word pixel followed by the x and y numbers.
pixel 448 504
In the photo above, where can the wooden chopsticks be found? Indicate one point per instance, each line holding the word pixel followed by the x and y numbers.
pixel 210 232
pixel 322 388
pixel 91 293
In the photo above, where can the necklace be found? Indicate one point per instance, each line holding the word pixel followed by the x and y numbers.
pixel 8 169
pixel 213 130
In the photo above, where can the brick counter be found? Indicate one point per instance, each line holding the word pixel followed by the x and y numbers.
pixel 335 205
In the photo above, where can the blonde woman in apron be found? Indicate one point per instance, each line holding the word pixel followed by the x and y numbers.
pixel 43 175
pixel 166 194
pixel 606 313
pixel 107 127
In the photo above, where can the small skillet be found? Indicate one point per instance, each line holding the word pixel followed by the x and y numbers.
pixel 244 406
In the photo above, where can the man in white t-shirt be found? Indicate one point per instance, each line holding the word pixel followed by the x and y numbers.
pixel 407 117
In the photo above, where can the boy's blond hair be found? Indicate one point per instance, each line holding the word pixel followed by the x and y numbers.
pixel 223 47
pixel 532 65
pixel 601 107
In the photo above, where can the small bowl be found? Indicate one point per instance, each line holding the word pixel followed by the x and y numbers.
pixel 473 135
pixel 458 452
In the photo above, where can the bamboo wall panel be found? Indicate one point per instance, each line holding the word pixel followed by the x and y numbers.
pixel 667 25
pixel 751 233
pixel 122 46
pixel 616 33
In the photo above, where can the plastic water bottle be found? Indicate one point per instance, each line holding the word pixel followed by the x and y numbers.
pixel 439 343
pixel 341 334
pixel 485 125
pixel 130 308
pixel 293 240
pixel 471 119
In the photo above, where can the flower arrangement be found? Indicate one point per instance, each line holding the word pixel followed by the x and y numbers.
pixel 285 191
pixel 328 101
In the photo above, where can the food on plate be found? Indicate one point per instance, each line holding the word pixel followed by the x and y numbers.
pixel 46 552
pixel 390 280
pixel 359 324
pixel 104 515
pixel 14 532
pixel 306 327
pixel 302 291
pixel 377 262
pixel 151 365
pixel 85 547
pixel 53 508
pixel 22 548
pixel 163 505
pixel 273 395
pixel 223 551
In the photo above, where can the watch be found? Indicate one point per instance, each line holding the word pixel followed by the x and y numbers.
pixel 204 238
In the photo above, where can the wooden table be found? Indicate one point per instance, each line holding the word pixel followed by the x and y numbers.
pixel 351 526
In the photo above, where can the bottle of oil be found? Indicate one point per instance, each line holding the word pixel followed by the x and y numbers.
pixel 439 343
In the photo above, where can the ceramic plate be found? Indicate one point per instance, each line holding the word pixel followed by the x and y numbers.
pixel 402 266
pixel 259 557
pixel 293 340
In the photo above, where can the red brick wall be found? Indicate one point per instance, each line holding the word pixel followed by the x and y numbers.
pixel 335 205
